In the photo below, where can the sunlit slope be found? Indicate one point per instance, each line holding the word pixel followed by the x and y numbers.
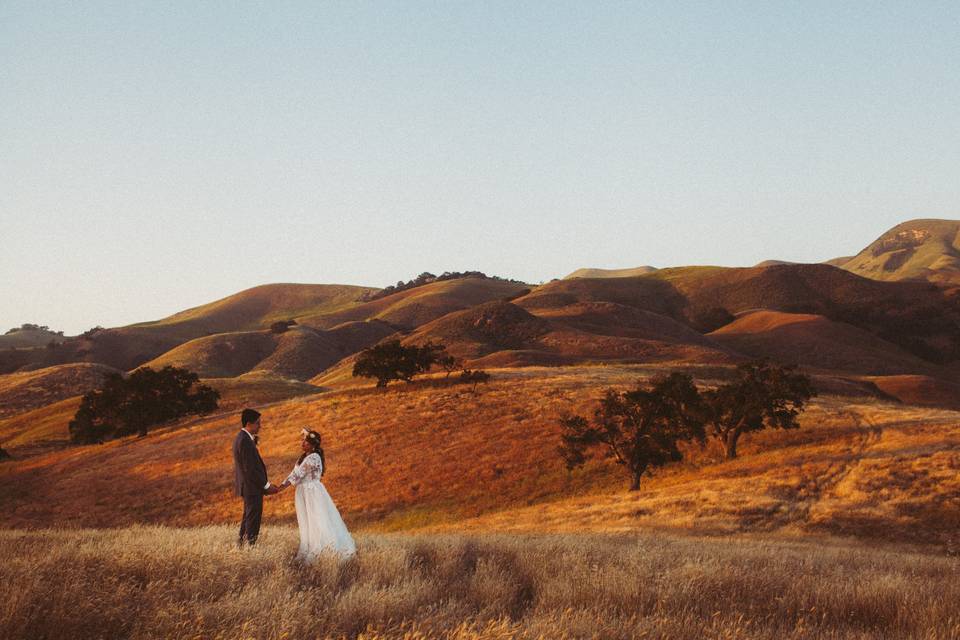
pixel 870 470
pixel 919 318
pixel 27 390
pixel 39 426
pixel 925 249
pixel 258 307
pixel 254 309
pixel 502 333
pixel 298 353
pixel 920 390
pixel 22 433
pixel 815 341
pixel 432 454
pixel 414 307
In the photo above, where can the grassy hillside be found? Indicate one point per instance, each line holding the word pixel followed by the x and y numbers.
pixel 299 353
pixel 502 333
pixel 252 310
pixel 150 582
pixel 36 430
pixel 815 341
pixel 431 454
pixel 920 318
pixel 27 390
pixel 920 390
pixel 413 307
pixel 258 307
pixel 46 428
pixel 915 250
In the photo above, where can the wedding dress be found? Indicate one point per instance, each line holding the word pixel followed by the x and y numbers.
pixel 321 527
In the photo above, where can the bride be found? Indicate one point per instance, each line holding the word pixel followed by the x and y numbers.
pixel 321 527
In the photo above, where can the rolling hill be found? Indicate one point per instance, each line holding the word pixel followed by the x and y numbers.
pixel 917 317
pixel 28 337
pixel 299 353
pixel 28 390
pixel 250 310
pixel 408 309
pixel 925 249
pixel 815 341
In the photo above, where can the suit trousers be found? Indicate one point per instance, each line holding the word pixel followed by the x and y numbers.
pixel 252 513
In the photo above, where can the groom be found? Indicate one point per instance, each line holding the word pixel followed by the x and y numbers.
pixel 251 476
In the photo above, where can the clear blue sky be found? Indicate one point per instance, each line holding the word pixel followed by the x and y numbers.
pixel 154 157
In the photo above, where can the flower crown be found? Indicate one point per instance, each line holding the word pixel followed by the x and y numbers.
pixel 310 436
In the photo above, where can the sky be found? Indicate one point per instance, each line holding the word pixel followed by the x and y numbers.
pixel 158 156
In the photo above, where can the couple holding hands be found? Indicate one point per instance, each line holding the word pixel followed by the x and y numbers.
pixel 321 527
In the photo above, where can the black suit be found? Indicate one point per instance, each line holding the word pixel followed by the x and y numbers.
pixel 250 480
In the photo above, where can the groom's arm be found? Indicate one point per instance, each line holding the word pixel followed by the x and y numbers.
pixel 252 468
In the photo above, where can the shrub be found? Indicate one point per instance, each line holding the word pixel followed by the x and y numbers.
pixel 474 377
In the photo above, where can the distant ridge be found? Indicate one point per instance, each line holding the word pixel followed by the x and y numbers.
pixel 611 273
pixel 924 249
pixel 772 263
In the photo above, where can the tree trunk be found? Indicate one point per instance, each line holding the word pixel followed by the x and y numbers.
pixel 635 480
pixel 730 444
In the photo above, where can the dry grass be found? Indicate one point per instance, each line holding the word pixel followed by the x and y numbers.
pixel 815 341
pixel 28 390
pixel 257 388
pixel 859 468
pixel 44 426
pixel 154 582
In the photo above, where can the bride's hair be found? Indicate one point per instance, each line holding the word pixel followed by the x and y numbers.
pixel 313 438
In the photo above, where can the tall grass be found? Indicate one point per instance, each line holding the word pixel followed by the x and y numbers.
pixel 156 582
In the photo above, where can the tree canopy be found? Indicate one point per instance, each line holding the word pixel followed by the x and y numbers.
pixel 762 396
pixel 389 361
pixel 133 404
pixel 640 429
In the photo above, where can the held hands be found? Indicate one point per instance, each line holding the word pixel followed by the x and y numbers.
pixel 275 489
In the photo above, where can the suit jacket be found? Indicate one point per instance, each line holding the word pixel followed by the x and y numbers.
pixel 249 471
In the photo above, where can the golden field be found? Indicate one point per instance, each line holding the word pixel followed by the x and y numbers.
pixel 158 582
pixel 443 456
pixel 470 527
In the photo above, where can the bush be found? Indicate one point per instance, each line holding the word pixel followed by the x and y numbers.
pixel 123 406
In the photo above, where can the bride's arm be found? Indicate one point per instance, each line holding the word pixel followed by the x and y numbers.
pixel 301 471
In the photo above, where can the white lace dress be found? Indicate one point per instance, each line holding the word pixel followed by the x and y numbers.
pixel 321 527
